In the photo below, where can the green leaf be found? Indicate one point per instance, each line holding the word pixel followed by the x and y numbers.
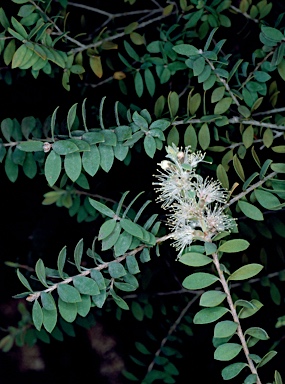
pixel 141 348
pixel 232 370
pixel 101 208
pixel 212 298
pixel 266 199
pixel 52 168
pixel 93 137
pixel 132 228
pixel 11 168
pixel 61 261
pixel 116 270
pixel 225 329
pixel 149 145
pixel 71 117
pixel 278 167
pixel 204 136
pixel 247 312
pixel 85 285
pixel 257 332
pixel 246 272
pixel 100 299
pixel 72 165
pixel 238 167
pixel 138 84
pixel 106 157
pixel 223 106
pixel 37 315
pixel 227 351
pixel 91 160
pixel 68 311
pixel 64 147
pixel 233 246
pixel 199 280
pixel 250 210
pixel 132 265
pixel 106 229
pixel 150 82
pixel 266 358
pixel 48 301
pixel 111 240
pixel 30 146
pixel 272 33
pixel 173 136
pixel 209 315
pixel 186 49
pixel 277 378
pixel 40 272
pixel 123 243
pixel 23 280
pixel 99 278
pixel 83 307
pixel 173 104
pixel 119 301
pixel 137 311
pixel 49 319
pixel 195 259
pixel 68 293
pixel 78 254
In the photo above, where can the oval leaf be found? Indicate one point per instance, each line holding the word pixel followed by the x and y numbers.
pixel 199 280
pixel 246 272
pixel 233 246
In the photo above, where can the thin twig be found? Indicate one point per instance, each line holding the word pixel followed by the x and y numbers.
pixel 235 317
pixel 117 36
pixel 172 329
pixel 243 13
pixel 35 295
pixel 251 188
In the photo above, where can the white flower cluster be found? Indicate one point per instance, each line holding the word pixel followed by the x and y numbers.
pixel 196 204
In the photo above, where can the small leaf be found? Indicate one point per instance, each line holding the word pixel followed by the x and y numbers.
pixel 250 210
pixel 48 301
pixel 138 84
pixel 64 147
pixel 204 136
pixel 72 165
pixel 212 298
pixel 85 285
pixel 232 370
pixel 266 358
pixel 78 254
pixel 102 208
pixel 223 106
pixel 68 293
pixel 132 265
pixel 232 246
pixel 49 319
pixel 123 244
pixel 96 65
pixel 31 146
pixel 195 259
pixel 199 280
pixel 99 278
pixel 186 49
pixel 116 270
pixel 83 307
pixel 106 229
pixel 67 310
pixel 52 168
pixel 132 228
pixel 71 115
pixel 40 272
pixel 37 315
pixel 209 315
pixel 23 280
pixel 246 272
pixel 227 351
pixel 238 167
pixel 225 328
pixel 257 332
pixel 149 145
pixel 61 261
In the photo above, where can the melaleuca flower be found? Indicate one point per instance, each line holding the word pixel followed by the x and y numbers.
pixel 210 191
pixel 183 238
pixel 217 221
pixel 197 211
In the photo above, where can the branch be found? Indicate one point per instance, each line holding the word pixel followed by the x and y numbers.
pixel 254 186
pixel 243 13
pixel 172 329
pixel 235 317
pixel 117 36
pixel 35 295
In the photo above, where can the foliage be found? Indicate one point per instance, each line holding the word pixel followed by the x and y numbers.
pixel 177 82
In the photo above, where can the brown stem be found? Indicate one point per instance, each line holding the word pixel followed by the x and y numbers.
pixel 235 317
